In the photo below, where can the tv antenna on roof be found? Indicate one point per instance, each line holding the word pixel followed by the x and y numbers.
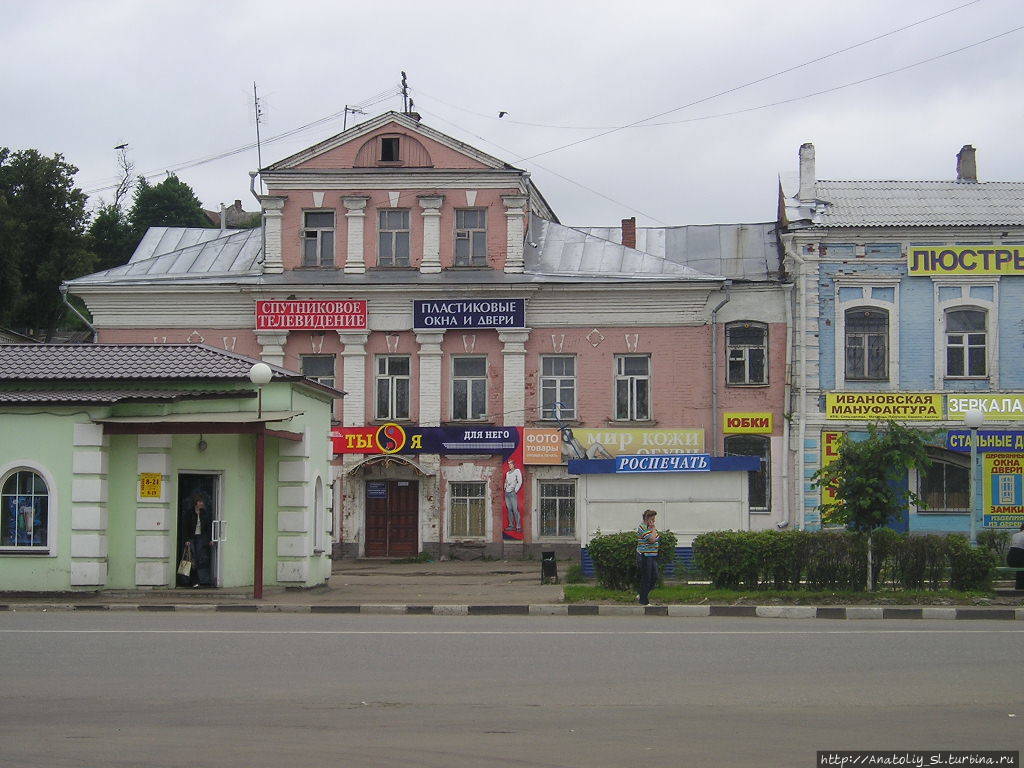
pixel 354 111
pixel 258 108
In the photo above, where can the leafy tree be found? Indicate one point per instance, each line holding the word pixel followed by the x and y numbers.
pixel 171 203
pixel 111 237
pixel 42 237
pixel 864 477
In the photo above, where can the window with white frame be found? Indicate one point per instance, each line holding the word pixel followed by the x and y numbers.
pixel 632 387
pixel 320 368
pixel 393 237
pixel 467 506
pixel 944 486
pixel 966 343
pixel 758 485
pixel 318 239
pixel 557 387
pixel 469 387
pixel 557 508
pixel 471 237
pixel 25 505
pixel 747 349
pixel 867 344
pixel 392 387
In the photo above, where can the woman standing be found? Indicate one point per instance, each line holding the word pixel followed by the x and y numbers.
pixel 198 522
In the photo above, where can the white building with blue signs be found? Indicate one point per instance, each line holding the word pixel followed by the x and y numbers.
pixel 908 304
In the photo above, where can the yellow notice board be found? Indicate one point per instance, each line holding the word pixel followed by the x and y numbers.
pixel 1003 494
pixel 829 453
pixel 748 423
pixel 974 260
pixel 872 406
pixel 151 485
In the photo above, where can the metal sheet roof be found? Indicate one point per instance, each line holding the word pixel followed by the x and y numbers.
pixel 112 396
pixel 555 250
pixel 187 253
pixel 69 362
pixel 910 204
pixel 735 251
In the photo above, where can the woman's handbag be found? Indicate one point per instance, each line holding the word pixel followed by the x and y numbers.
pixel 185 566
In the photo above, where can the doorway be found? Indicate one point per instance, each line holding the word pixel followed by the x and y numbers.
pixel 207 534
pixel 392 518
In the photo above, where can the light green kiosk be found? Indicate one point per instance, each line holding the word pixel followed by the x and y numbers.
pixel 117 459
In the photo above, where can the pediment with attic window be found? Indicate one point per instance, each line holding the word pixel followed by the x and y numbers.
pixel 391 140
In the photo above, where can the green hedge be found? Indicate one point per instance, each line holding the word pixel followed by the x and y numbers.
pixel 614 558
pixel 837 560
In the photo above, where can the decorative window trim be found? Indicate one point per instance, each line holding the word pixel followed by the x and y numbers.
pixel 52 508
pixel 537 483
pixel 991 309
pixel 893 341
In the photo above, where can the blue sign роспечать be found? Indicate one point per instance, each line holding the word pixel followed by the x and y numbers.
pixel 996 440
pixel 682 462
pixel 473 313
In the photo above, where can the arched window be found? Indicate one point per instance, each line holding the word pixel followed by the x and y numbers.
pixel 867 344
pixel 966 342
pixel 747 351
pixel 24 520
pixel 758 488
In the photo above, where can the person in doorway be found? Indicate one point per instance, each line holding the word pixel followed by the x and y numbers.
pixel 1015 556
pixel 513 482
pixel 647 538
pixel 198 522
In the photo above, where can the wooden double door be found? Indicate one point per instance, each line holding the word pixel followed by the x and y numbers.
pixel 392 518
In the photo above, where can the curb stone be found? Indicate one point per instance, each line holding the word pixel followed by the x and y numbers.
pixel 850 612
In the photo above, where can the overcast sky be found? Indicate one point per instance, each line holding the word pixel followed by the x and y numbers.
pixel 174 80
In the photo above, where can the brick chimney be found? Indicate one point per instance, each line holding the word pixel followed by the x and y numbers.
pixel 807 180
pixel 966 165
pixel 629 232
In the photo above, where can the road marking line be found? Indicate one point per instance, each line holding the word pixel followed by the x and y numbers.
pixel 499 632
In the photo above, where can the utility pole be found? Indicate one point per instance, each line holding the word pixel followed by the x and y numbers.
pixel 350 110
pixel 405 93
pixel 259 116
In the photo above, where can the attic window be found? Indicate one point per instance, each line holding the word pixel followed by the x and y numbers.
pixel 389 150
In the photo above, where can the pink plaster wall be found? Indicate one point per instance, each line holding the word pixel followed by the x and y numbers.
pixel 344 156
pixel 302 200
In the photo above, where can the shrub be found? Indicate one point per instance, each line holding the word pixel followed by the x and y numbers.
pixel 885 544
pixel 729 558
pixel 614 557
pixel 995 541
pixel 971 568
pixel 837 560
pixel 574 574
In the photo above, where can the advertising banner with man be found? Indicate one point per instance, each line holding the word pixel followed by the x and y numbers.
pixel 552 446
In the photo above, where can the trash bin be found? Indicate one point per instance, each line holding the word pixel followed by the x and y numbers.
pixel 548 568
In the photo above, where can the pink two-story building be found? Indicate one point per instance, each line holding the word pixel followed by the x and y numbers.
pixel 435 286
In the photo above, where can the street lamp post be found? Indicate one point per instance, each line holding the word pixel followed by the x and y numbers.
pixel 974 418
pixel 259 375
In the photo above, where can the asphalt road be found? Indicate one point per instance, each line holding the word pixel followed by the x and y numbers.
pixel 127 689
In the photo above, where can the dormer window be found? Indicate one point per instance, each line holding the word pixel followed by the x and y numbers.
pixel 389 150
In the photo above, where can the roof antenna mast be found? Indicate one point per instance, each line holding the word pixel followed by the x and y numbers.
pixel 405 93
pixel 258 109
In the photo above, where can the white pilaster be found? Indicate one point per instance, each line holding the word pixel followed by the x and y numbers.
pixel 355 262
pixel 89 520
pixel 354 362
pixel 431 205
pixel 273 232
pixel 515 217
pixel 514 384
pixel 154 548
pixel 272 346
pixel 430 377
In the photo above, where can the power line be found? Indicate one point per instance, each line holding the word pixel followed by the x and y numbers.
pixel 613 128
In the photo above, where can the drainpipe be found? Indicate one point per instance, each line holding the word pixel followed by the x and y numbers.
pixel 69 305
pixel 263 229
pixel 802 403
pixel 714 367
pixel 787 394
